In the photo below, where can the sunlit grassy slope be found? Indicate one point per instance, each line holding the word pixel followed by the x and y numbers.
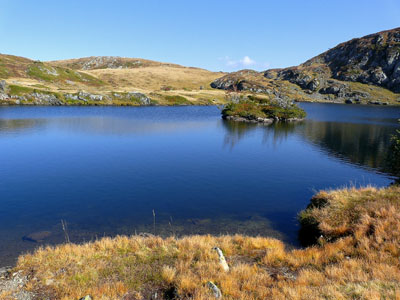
pixel 107 75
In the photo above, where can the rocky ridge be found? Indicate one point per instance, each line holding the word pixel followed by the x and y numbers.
pixel 363 70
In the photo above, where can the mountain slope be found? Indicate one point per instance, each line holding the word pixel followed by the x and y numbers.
pixel 363 70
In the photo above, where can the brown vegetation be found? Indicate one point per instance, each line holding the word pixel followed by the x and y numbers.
pixel 357 258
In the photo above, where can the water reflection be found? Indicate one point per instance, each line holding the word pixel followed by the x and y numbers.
pixel 276 132
pixel 19 125
pixel 367 145
pixel 362 144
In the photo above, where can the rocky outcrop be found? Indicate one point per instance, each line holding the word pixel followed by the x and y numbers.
pixel 134 96
pixel 140 97
pixel 244 80
pixel 45 99
pixel 91 97
pixel 106 62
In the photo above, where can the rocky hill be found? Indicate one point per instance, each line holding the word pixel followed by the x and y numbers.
pixel 363 70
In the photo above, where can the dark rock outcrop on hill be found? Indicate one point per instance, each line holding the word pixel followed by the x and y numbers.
pixel 363 70
pixel 373 59
pixel 238 83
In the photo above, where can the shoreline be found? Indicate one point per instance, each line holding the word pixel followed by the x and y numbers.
pixel 344 253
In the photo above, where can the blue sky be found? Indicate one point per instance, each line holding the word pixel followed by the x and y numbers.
pixel 216 35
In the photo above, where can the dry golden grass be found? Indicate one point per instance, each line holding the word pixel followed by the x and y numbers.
pixel 156 77
pixel 360 262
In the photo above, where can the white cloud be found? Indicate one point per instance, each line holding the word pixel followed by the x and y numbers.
pixel 247 61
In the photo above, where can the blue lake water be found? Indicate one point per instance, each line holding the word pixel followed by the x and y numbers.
pixel 104 170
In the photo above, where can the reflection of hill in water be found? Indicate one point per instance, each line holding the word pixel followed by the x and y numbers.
pixel 16 125
pixel 366 145
pixel 363 144
pixel 120 126
pixel 235 131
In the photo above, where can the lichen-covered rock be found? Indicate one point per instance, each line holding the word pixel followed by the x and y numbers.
pixel 87 96
pixel 44 99
pixel 142 98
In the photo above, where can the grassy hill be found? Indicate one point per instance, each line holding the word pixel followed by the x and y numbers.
pixel 59 82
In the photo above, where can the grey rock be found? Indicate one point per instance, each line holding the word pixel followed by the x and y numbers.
pixel 37 237
pixel 3 86
pixel 71 97
pixel 215 290
pixel 5 272
pixel 142 98
pixel 3 96
pixel 87 96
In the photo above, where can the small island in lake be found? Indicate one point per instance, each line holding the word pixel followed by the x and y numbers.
pixel 263 110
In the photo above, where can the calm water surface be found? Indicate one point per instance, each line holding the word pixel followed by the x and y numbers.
pixel 105 169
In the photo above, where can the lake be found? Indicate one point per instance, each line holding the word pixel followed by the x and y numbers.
pixel 176 170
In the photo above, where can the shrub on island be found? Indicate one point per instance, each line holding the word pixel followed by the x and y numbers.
pixel 254 109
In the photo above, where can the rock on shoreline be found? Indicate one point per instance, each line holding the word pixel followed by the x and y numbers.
pixel 260 120
pixel 13 284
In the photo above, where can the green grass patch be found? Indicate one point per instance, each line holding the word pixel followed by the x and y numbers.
pixel 40 86
pixel 19 90
pixel 177 100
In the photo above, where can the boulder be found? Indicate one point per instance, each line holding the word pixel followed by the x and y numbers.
pixel 37 237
